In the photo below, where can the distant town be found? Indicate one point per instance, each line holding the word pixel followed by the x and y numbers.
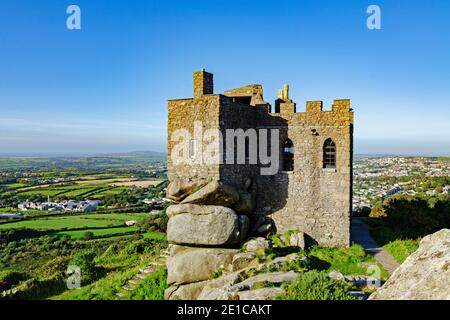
pixel 376 178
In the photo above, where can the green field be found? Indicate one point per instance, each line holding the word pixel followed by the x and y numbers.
pixel 77 234
pixel 95 191
pixel 43 192
pixel 15 185
pixel 109 233
pixel 76 222
pixel 112 191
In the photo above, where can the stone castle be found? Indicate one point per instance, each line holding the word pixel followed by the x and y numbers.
pixel 311 191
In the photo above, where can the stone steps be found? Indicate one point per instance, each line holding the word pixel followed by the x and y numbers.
pixel 134 281
pixel 128 287
pixel 147 270
pixel 144 273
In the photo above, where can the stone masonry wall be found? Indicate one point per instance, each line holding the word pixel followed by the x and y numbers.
pixel 311 199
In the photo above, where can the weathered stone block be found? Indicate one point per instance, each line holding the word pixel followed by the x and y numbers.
pixel 214 193
pixel 185 292
pixel 214 226
pixel 197 264
pixel 243 260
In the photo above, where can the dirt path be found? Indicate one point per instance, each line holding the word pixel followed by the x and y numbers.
pixel 360 235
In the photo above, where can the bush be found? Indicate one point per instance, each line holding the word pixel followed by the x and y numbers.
pixel 85 260
pixel 155 223
pixel 137 247
pixel 414 217
pixel 9 278
pixel 315 285
pixel 88 235
pixel 378 212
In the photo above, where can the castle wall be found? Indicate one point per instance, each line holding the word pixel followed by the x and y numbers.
pixel 232 116
pixel 183 113
pixel 311 198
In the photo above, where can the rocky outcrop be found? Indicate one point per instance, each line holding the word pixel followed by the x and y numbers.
pixel 255 244
pixel 248 288
pixel 195 265
pixel 204 226
pixel 204 232
pixel 178 189
pixel 244 260
pixel 185 292
pixel 214 193
pixel 424 275
pixel 260 294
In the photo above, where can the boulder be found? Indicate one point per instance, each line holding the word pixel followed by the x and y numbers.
pixel 178 189
pixel 195 209
pixel 175 249
pixel 336 275
pixel 243 260
pixel 168 292
pixel 230 290
pixel 217 294
pixel 246 203
pixel 275 279
pixel 424 275
pixel 195 265
pixel 260 294
pixel 209 226
pixel 213 290
pixel 255 244
pixel 277 263
pixel 214 193
pixel 185 292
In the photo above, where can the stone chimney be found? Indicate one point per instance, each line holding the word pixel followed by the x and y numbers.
pixel 203 83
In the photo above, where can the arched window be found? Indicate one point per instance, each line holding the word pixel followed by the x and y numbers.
pixel 288 155
pixel 329 154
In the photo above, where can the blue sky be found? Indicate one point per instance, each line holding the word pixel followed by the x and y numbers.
pixel 104 88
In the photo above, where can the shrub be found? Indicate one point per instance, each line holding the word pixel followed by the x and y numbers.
pixel 377 212
pixel 9 278
pixel 137 247
pixel 55 268
pixel 276 239
pixel 85 260
pixel 315 285
pixel 88 235
pixel 156 223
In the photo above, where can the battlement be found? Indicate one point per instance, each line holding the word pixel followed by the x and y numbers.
pixel 314 106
